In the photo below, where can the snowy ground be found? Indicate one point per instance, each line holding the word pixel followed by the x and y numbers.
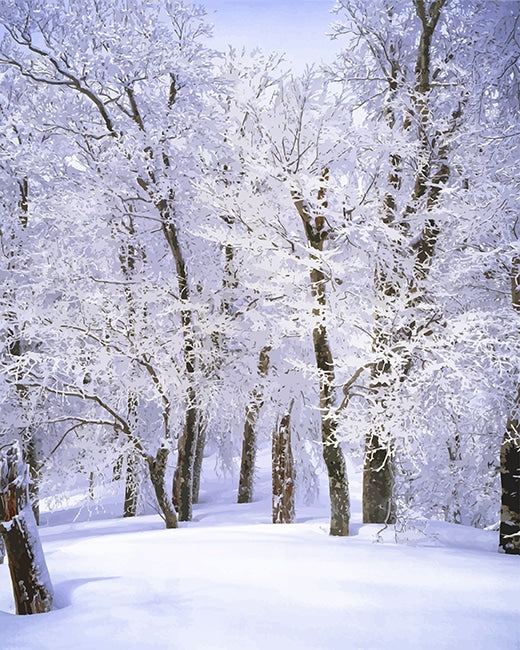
pixel 231 580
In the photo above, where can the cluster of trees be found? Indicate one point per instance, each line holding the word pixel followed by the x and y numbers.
pixel 201 252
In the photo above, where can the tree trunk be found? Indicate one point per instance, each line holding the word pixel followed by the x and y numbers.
pixel 129 254
pixel 378 483
pixel 31 458
pixel 332 454
pixel 338 480
pixel 182 492
pixel 249 443
pixel 157 467
pixel 510 481
pixel 199 457
pixel 182 489
pixel 283 472
pixel 29 575
pixel 131 486
pixel 510 454
pixel 378 467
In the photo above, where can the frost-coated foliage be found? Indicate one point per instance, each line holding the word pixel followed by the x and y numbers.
pixel 440 164
pixel 117 121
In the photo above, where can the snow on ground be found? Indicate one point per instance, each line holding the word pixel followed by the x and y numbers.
pixel 231 580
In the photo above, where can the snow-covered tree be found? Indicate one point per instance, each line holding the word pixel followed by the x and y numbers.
pixel 130 90
pixel 418 75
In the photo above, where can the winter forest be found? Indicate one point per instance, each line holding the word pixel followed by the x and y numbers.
pixel 211 262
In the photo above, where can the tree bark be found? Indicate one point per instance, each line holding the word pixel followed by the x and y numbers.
pixel 510 482
pixel 332 453
pixel 199 457
pixel 283 472
pixel 249 443
pixel 509 539
pixel 187 448
pixel 157 467
pixel 378 482
pixel 182 489
pixel 129 254
pixel 131 486
pixel 32 587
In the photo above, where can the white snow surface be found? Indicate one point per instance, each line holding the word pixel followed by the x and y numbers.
pixel 232 580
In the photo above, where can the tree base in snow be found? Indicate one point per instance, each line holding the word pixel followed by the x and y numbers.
pixel 510 480
pixel 31 582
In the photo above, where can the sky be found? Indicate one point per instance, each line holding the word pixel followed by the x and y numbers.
pixel 297 27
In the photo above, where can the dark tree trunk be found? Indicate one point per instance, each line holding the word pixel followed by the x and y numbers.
pixel 31 457
pixel 510 481
pixel 332 454
pixel 129 254
pixel 249 443
pixel 338 481
pixel 510 455
pixel 378 467
pixel 378 483
pixel 131 486
pixel 187 448
pixel 283 472
pixel 182 489
pixel 248 459
pixel 132 460
pixel 199 457
pixel 157 467
pixel 316 234
pixel 91 491
pixel 29 575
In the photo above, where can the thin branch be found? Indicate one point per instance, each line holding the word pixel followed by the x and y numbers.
pixel 348 385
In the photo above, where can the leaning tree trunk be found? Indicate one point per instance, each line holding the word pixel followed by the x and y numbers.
pixel 283 472
pixel 29 575
pixel 157 467
pixel 249 442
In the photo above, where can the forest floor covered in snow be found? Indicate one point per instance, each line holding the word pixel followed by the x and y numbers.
pixel 231 580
